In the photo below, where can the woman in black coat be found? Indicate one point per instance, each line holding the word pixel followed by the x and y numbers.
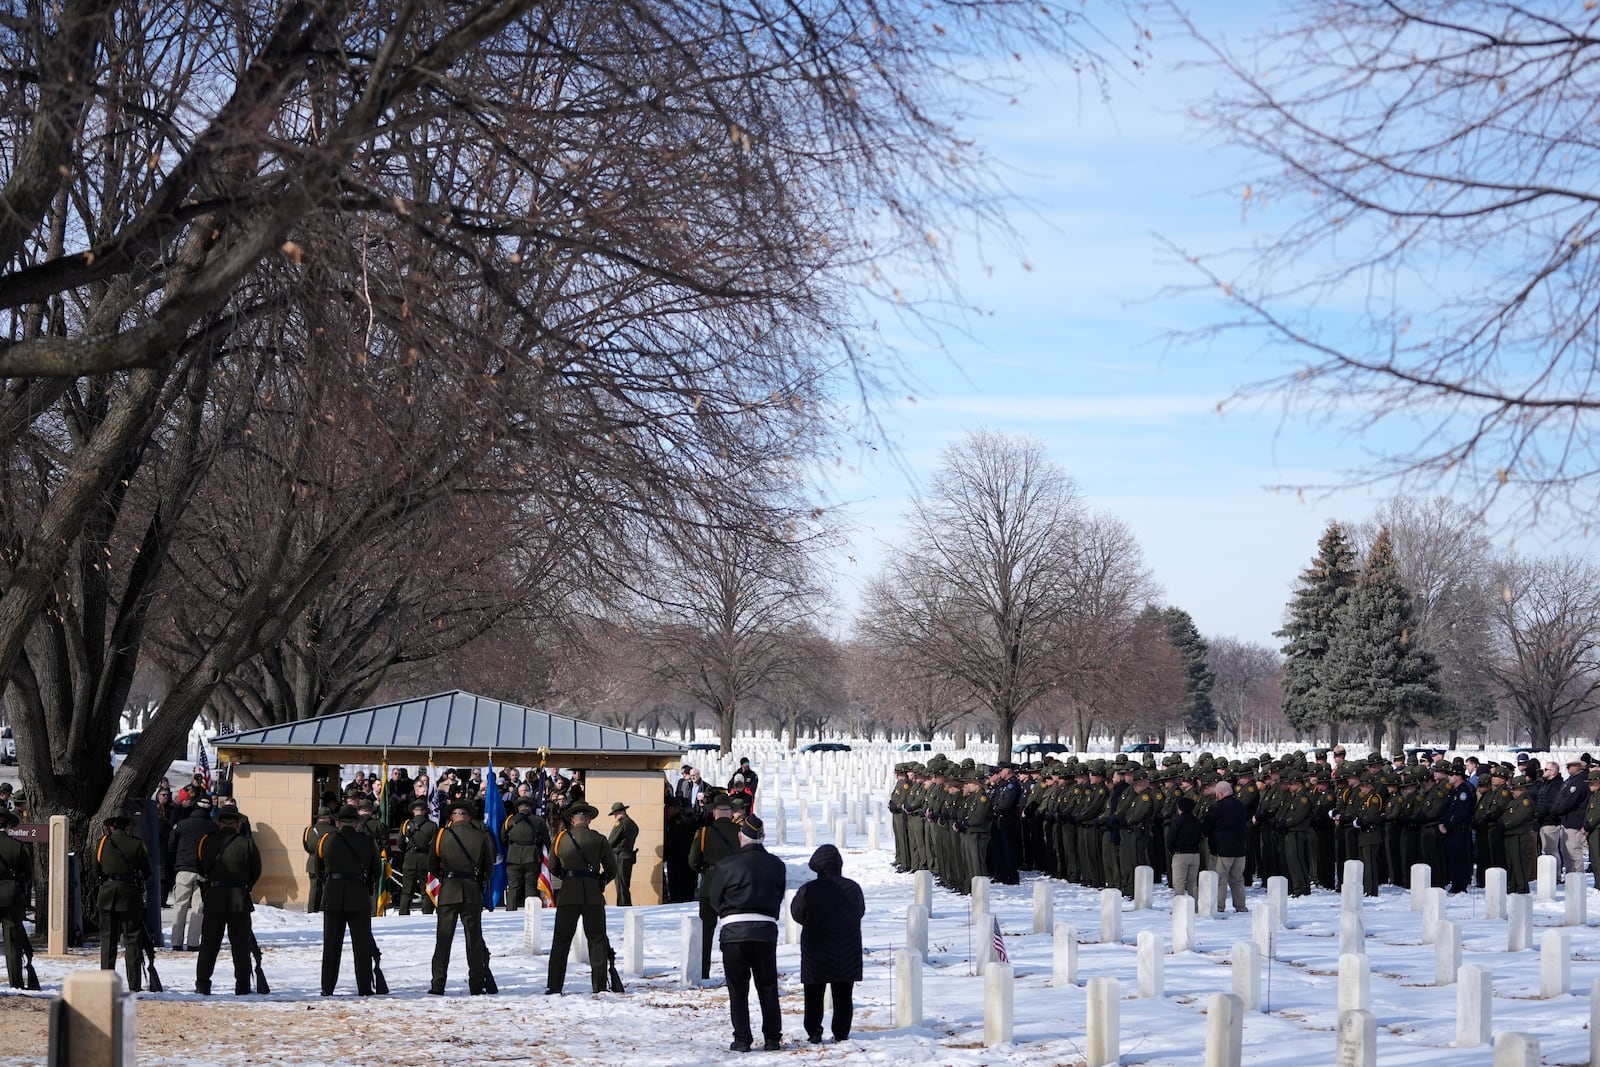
pixel 829 911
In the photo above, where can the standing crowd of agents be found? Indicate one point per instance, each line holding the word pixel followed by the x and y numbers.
pixel 1094 821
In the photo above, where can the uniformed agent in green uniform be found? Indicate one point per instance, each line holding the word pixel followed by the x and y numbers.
pixel 711 843
pixel 16 872
pixel 322 824
pixel 580 866
pixel 124 865
pixel 525 835
pixel 624 842
pixel 416 848
pixel 350 867
pixel 975 824
pixel 463 860
pixel 231 863
pixel 378 830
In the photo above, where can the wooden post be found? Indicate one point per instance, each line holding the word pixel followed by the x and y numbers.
pixel 98 1020
pixel 56 934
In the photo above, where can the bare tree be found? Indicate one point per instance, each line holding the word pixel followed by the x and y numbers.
pixel 1249 677
pixel 723 609
pixel 1548 624
pixel 998 565
pixel 904 693
pixel 1435 165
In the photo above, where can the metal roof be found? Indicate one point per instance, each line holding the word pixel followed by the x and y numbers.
pixel 445 722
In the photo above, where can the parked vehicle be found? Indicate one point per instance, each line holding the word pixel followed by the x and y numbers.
pixel 1043 748
pixel 8 747
pixel 916 746
pixel 826 746
pixel 177 774
pixel 1143 746
pixel 705 746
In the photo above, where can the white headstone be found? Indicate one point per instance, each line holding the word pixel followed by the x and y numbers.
pixel 1355 983
pixel 1352 933
pixel 791 927
pixel 1517 1050
pixel 1594 1022
pixel 1432 911
pixel 917 931
pixel 1357 1043
pixel 532 931
pixel 1576 901
pixel 1224 1030
pixel 1144 880
pixel 1206 907
pixel 1446 952
pixel 1152 977
pixel 1064 969
pixel 632 941
pixel 1555 963
pixel 811 835
pixel 1044 906
pixel 1278 897
pixel 907 989
pixel 872 836
pixel 1548 870
pixel 1247 974
pixel 841 833
pixel 922 890
pixel 997 1008
pixel 578 952
pixel 983 938
pixel 1353 886
pixel 1519 922
pixel 1110 916
pixel 1494 893
pixel 689 933
pixel 1182 923
pixel 1262 929
pixel 980 896
pixel 1421 882
pixel 1474 1006
pixel 1104 1025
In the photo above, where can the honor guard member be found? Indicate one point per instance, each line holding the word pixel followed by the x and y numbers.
pixel 378 830
pixel 416 847
pixel 624 842
pixel 322 824
pixel 350 868
pixel 525 835
pixel 581 864
pixel 1365 814
pixel 897 813
pixel 1293 825
pixel 16 874
pixel 975 824
pixel 1455 827
pixel 712 843
pixel 124 865
pixel 231 863
pixel 463 860
pixel 1006 798
pixel 1519 823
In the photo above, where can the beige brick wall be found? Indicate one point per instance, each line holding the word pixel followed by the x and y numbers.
pixel 279 802
pixel 643 792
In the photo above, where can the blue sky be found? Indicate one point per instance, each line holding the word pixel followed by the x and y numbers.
pixel 1079 352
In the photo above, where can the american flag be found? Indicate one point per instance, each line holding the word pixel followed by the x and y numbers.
pixel 544 878
pixel 203 764
pixel 999 942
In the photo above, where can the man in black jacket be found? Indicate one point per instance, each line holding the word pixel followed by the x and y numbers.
pixel 746 888
pixel 1227 827
pixel 1569 806
pixel 186 896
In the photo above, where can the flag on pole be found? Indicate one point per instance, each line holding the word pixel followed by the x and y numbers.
pixel 433 790
pixel 383 847
pixel 999 941
pixel 494 814
pixel 545 892
pixel 203 764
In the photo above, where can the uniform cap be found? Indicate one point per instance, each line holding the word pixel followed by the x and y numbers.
pixel 202 802
pixel 324 812
pixel 420 804
pixel 459 805
pixel 753 827
pixel 618 808
pixel 349 812
pixel 580 809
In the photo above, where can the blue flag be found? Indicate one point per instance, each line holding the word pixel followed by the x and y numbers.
pixel 494 813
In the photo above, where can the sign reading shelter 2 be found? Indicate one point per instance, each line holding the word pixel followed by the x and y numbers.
pixel 30 831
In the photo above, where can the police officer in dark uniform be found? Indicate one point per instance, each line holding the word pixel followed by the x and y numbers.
pixel 350 867
pixel 711 843
pixel 463 860
pixel 231 863
pixel 1005 798
pixel 323 824
pixel 124 865
pixel 416 845
pixel 378 830
pixel 525 835
pixel 1455 829
pixel 16 875
pixel 581 864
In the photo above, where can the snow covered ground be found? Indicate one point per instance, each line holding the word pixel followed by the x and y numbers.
pixel 657 1022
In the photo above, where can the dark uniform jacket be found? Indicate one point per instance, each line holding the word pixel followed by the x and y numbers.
pixel 348 862
pixel 416 842
pixel 585 864
pixel 16 869
pixel 310 839
pixel 525 837
pixel 124 865
pixel 751 882
pixel 185 836
pixel 231 863
pixel 624 836
pixel 710 845
pixel 463 860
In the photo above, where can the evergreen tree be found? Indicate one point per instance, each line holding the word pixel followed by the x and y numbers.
pixel 1375 669
pixel 1313 616
pixel 1199 717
